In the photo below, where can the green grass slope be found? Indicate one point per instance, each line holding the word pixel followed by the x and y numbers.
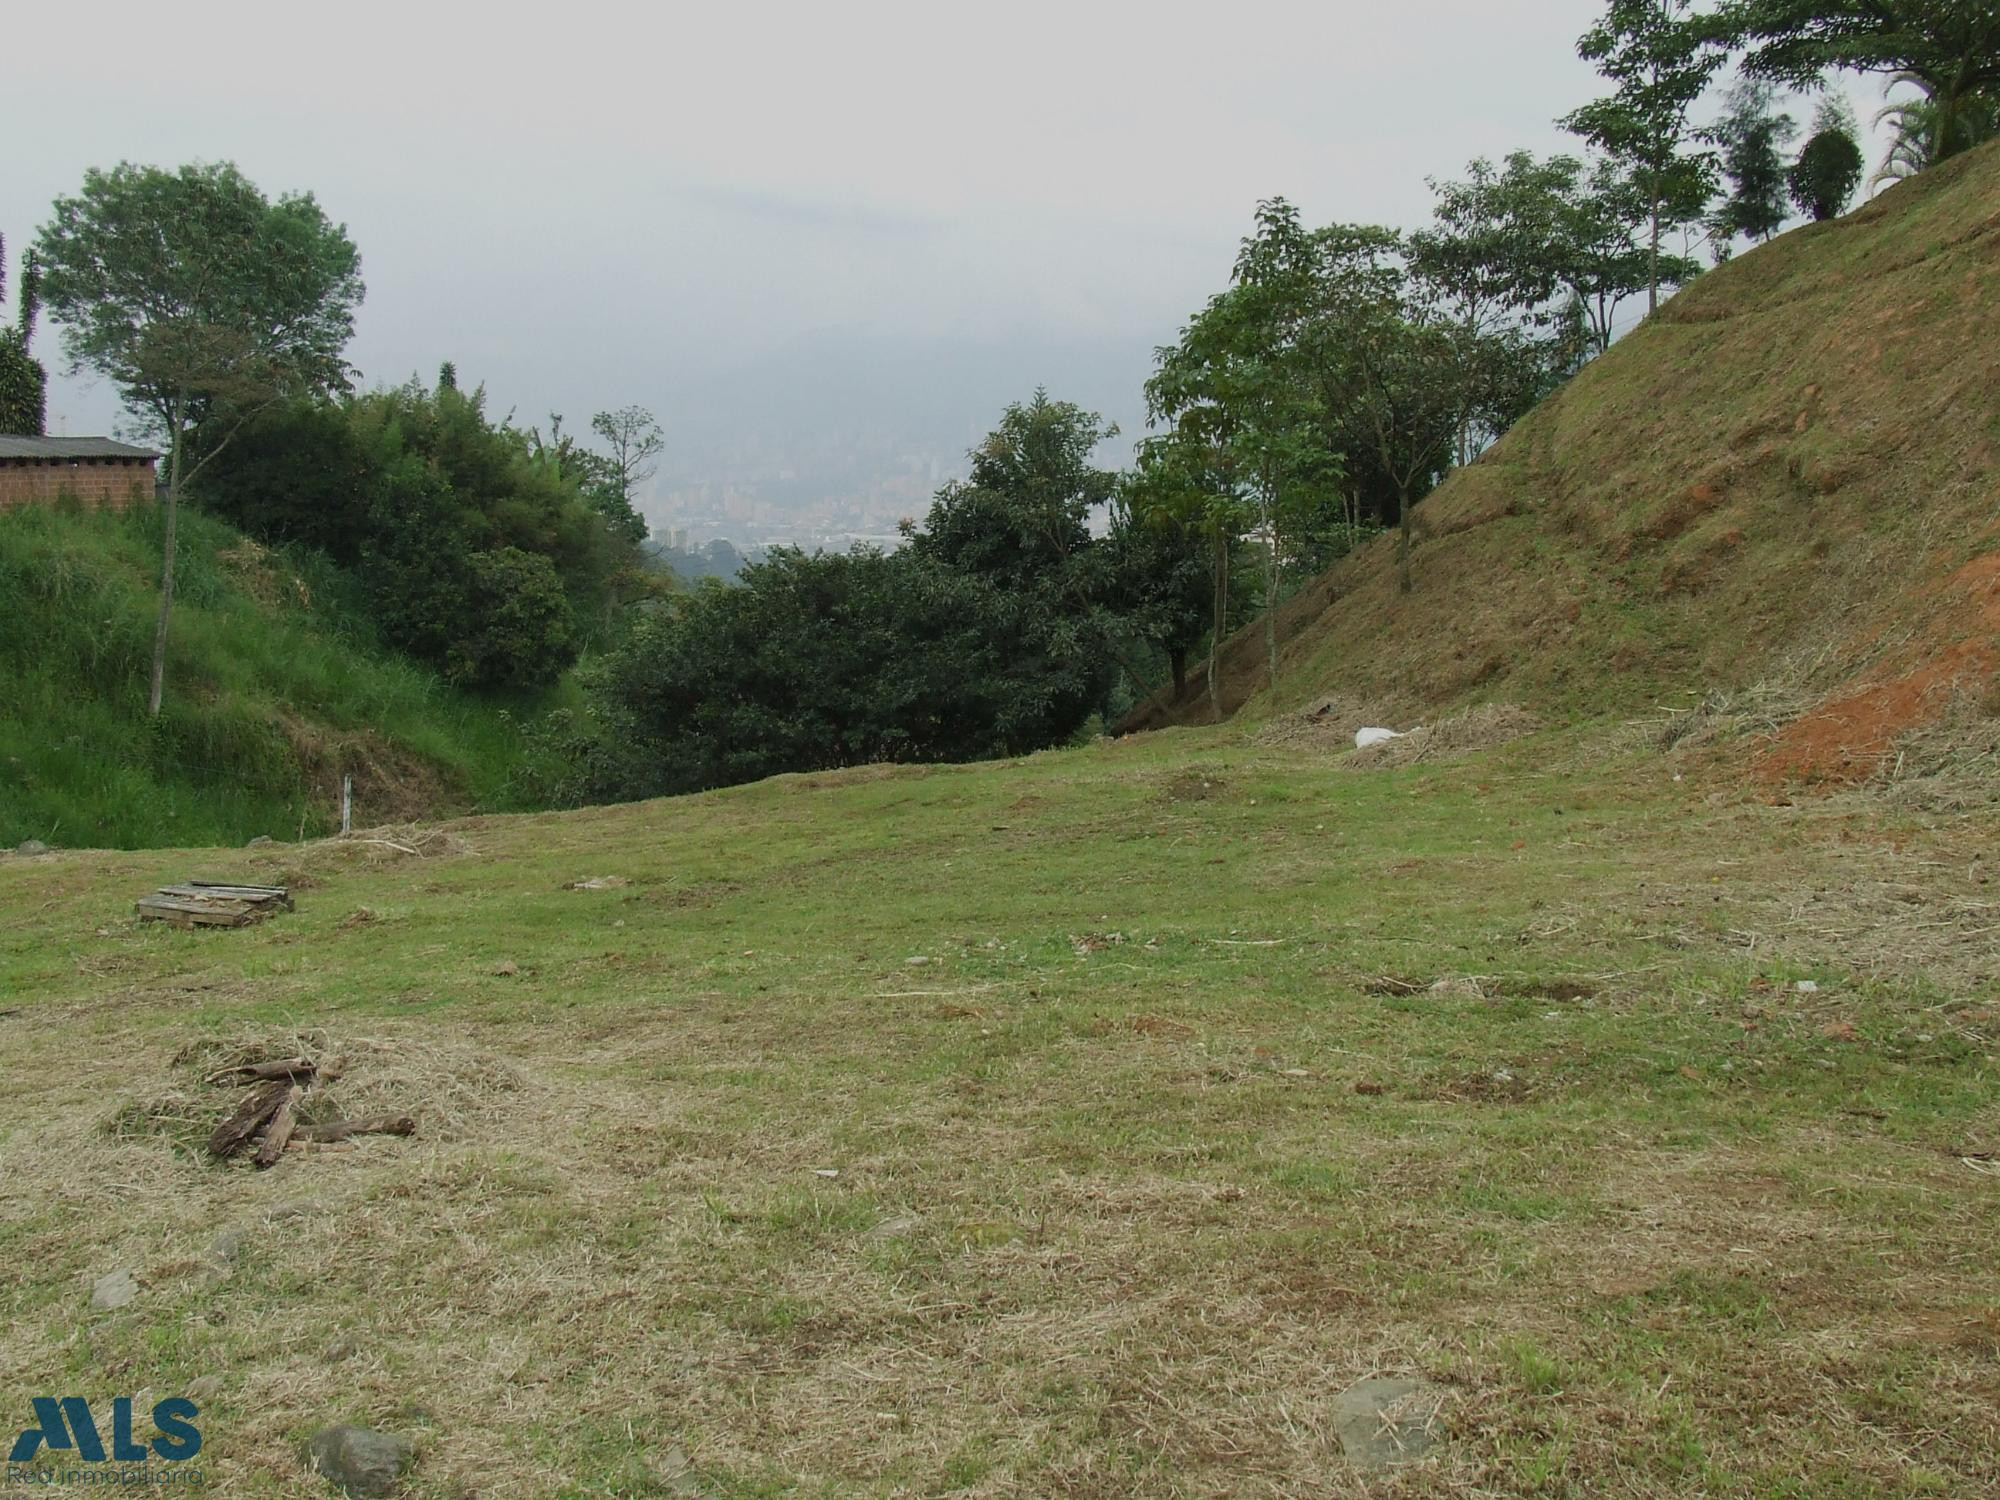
pixel 1790 476
pixel 274 691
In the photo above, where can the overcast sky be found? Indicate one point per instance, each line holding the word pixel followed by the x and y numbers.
pixel 585 205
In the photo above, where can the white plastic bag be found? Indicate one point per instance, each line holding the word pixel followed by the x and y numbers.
pixel 1363 738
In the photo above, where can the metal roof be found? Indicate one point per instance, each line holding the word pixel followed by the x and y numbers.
pixel 69 447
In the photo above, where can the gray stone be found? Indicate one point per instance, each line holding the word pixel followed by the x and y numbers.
pixel 260 841
pixel 677 1474
pixel 114 1290
pixel 228 1245
pixel 31 847
pixel 358 1461
pixel 1387 1420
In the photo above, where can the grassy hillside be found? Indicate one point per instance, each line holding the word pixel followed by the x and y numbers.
pixel 274 690
pixel 1789 479
pixel 1080 1126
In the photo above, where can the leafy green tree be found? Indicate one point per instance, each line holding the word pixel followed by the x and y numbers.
pixel 1161 573
pixel 1494 244
pixel 1021 519
pixel 635 442
pixel 1187 482
pixel 1240 388
pixel 204 303
pixel 1019 524
pixel 1660 56
pixel 24 384
pixel 411 487
pixel 299 474
pixel 1412 375
pixel 812 662
pixel 1601 262
pixel 1499 257
pixel 517 632
pixel 1396 368
pixel 1751 135
pixel 1948 48
pixel 1828 170
pixel 1543 247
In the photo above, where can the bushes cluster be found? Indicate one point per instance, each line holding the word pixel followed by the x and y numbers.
pixel 480 554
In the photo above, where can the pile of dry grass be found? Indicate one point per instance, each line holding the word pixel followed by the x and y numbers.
pixel 255 571
pixel 1952 765
pixel 1473 729
pixel 1328 724
pixel 389 844
pixel 450 1091
pixel 1763 709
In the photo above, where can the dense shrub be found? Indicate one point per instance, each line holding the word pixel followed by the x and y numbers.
pixel 814 662
pixel 482 555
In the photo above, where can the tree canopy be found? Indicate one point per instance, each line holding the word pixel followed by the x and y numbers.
pixel 1660 55
pixel 24 384
pixel 204 303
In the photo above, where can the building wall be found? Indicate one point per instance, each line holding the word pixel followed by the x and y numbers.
pixel 103 481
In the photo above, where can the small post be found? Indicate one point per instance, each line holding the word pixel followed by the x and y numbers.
pixel 346 802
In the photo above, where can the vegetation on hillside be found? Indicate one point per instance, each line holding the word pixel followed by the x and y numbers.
pixel 1778 492
pixel 24 382
pixel 286 688
pixel 1341 377
pixel 491 553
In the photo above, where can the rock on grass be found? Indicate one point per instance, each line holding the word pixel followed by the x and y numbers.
pixel 358 1461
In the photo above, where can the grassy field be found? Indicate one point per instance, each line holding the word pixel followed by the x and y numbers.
pixel 1084 1125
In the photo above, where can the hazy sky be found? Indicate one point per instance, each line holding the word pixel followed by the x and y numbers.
pixel 585 205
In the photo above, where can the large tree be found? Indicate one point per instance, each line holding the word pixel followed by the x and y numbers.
pixel 1948 48
pixel 1238 386
pixel 1019 526
pixel 204 303
pixel 24 384
pixel 1493 247
pixel 1660 56
pixel 1501 257
pixel 1751 135
pixel 1829 167
pixel 1172 534
pixel 634 442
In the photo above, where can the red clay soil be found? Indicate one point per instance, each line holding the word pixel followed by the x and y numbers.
pixel 1849 738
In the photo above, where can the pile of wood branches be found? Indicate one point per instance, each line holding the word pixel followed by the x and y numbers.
pixel 269 1113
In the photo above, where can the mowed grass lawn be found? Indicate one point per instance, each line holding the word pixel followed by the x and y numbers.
pixel 1083 1125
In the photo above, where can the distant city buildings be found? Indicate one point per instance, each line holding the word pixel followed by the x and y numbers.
pixel 853 493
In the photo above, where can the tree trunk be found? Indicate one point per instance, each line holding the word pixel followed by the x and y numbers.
pixel 1403 540
pixel 1221 617
pixel 166 574
pixel 1177 655
pixel 1653 291
pixel 1271 581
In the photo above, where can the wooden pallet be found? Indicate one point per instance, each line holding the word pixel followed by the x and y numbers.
pixel 208 903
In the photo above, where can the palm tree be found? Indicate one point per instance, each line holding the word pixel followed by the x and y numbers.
pixel 1924 131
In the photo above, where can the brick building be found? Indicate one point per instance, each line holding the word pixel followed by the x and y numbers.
pixel 95 470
